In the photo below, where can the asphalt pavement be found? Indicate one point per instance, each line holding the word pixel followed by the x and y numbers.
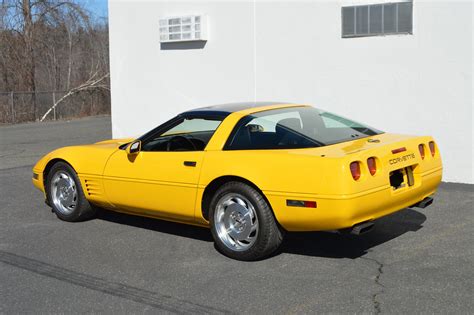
pixel 414 261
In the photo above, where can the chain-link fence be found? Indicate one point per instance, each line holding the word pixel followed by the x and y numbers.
pixel 16 107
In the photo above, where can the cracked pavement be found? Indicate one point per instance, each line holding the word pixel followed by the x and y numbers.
pixel 417 260
pixel 375 300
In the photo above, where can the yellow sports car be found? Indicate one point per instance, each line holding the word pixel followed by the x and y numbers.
pixel 250 171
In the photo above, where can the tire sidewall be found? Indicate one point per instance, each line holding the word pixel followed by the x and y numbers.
pixel 82 206
pixel 262 246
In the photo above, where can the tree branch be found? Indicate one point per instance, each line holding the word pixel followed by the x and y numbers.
pixel 91 83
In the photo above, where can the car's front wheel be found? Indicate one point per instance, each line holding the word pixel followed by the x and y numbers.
pixel 242 223
pixel 65 194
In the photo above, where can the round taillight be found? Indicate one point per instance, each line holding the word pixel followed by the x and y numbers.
pixel 355 170
pixel 422 151
pixel 372 165
pixel 432 148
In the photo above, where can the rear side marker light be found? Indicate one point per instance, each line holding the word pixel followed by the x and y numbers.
pixel 301 203
pixel 422 151
pixel 431 144
pixel 355 170
pixel 395 151
pixel 372 165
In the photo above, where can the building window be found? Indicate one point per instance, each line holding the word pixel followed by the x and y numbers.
pixel 377 19
pixel 183 29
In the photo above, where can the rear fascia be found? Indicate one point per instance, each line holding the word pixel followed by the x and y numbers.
pixel 369 197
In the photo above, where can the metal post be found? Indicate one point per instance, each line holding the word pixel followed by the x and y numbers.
pixel 12 107
pixel 54 103
pixel 35 105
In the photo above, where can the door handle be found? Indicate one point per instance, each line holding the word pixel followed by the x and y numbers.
pixel 189 163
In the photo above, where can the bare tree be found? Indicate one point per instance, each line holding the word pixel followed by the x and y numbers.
pixel 51 45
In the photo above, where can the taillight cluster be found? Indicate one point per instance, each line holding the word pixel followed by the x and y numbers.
pixel 356 168
pixel 421 148
pixel 431 145
pixel 372 165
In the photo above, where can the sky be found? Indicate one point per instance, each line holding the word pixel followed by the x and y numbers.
pixel 98 7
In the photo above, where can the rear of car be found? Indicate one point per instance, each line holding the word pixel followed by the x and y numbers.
pixel 391 173
pixel 333 173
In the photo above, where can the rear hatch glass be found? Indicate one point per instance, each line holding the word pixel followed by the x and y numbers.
pixel 295 127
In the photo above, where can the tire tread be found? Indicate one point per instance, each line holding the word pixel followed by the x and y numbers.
pixel 270 234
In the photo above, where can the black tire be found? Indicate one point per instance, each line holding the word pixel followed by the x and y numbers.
pixel 269 235
pixel 82 210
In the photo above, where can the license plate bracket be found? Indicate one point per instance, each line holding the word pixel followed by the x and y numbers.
pixel 397 179
pixel 401 177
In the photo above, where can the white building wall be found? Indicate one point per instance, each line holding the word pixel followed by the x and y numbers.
pixel 150 85
pixel 293 51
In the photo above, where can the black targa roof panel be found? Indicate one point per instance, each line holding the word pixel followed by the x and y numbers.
pixel 226 109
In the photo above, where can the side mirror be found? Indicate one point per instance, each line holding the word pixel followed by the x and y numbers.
pixel 134 147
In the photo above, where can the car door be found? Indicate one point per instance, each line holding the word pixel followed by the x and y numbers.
pixel 161 179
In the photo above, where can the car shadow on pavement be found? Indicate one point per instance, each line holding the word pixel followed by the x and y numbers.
pixel 337 245
pixel 183 230
pixel 318 244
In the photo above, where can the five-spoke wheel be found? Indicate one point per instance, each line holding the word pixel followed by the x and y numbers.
pixel 236 222
pixel 242 222
pixel 63 192
pixel 65 195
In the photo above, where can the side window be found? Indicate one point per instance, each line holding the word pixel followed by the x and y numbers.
pixel 269 122
pixel 186 134
pixel 271 131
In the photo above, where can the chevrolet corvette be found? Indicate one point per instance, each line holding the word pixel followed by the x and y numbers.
pixel 250 172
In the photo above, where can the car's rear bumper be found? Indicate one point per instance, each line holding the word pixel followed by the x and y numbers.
pixel 344 211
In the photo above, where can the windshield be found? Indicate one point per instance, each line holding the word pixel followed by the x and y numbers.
pixel 296 127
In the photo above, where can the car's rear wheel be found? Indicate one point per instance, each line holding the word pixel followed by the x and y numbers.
pixel 65 194
pixel 242 223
